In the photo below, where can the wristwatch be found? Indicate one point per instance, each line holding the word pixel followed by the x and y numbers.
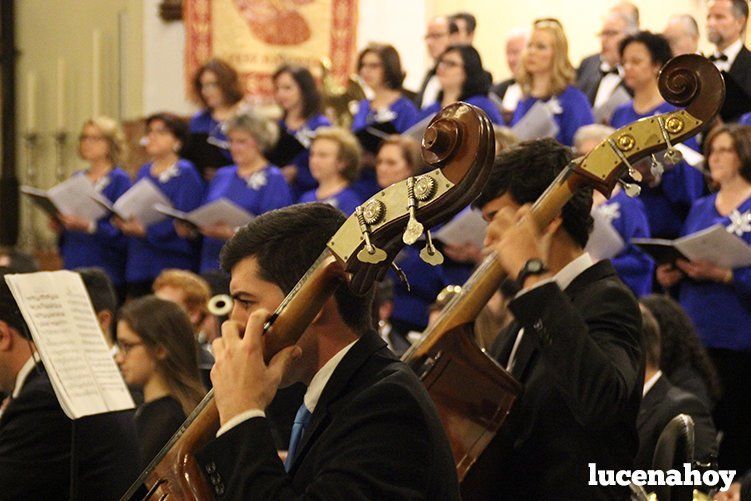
pixel 532 267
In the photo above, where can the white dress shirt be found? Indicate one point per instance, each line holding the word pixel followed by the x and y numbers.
pixel 652 381
pixel 731 52
pixel 608 84
pixel 312 394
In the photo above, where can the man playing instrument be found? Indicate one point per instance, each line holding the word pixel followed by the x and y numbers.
pixel 574 344
pixel 367 428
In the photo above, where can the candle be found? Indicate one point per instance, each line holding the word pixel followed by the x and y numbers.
pixel 96 72
pixel 31 90
pixel 60 94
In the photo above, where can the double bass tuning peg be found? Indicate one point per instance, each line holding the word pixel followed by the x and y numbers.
pixel 673 125
pixel 631 189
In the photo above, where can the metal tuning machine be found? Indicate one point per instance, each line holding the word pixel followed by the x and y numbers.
pixel 430 254
pixel 414 227
pixel 672 125
pixel 625 143
pixel 372 214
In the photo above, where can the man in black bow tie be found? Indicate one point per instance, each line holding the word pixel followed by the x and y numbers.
pixel 726 23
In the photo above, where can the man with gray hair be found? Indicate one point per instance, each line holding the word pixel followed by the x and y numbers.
pixel 726 29
pixel 436 41
pixel 682 33
pixel 599 75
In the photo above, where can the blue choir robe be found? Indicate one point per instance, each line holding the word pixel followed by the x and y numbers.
pixel 207 146
pixel 629 219
pixel 105 248
pixel 720 312
pixel 345 200
pixel 426 281
pixel 482 102
pixel 572 112
pixel 162 248
pixel 262 191
pixel 745 119
pixel 299 153
pixel 397 118
pixel 668 203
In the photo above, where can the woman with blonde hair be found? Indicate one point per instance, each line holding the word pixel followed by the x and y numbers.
pixel 85 243
pixel 158 354
pixel 547 76
pixel 335 157
pixel 252 183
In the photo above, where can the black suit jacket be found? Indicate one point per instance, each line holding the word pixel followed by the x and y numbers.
pixel 418 97
pixel 500 88
pixel 661 404
pixel 35 448
pixel 581 368
pixel 737 87
pixel 374 434
pixel 588 76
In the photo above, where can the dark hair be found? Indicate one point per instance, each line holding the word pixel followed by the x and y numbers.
pixel 101 291
pixel 650 337
pixel 163 323
pixel 176 125
pixel 9 311
pixel 526 170
pixel 468 19
pixel 476 81
pixel 311 97
pixel 656 44
pixel 393 75
pixel 741 136
pixel 303 232
pixel 740 8
pixel 679 345
pixel 227 78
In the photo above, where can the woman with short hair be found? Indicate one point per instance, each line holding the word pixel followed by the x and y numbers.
pixel 335 163
pixel 98 243
pixel 217 88
pixel 252 182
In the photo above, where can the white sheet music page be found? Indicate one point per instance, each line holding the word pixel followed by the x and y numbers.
pixel 74 197
pixel 64 328
pixel 139 202
pixel 220 211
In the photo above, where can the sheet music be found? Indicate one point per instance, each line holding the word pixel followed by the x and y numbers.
pixel 73 197
pixel 467 226
pixel 139 202
pixel 418 130
pixel 604 112
pixel 538 122
pixel 65 330
pixel 41 200
pixel 604 242
pixel 213 213
pixel 716 245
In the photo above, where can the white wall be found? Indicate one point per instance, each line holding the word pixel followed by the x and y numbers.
pixel 163 63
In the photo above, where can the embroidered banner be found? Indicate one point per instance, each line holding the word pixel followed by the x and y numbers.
pixel 256 36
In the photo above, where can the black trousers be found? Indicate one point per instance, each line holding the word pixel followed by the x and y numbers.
pixel 732 415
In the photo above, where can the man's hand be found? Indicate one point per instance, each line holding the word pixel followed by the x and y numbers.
pixel 515 239
pixel 732 494
pixel 242 380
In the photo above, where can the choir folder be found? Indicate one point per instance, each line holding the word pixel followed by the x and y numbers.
pixel 714 244
pixel 72 197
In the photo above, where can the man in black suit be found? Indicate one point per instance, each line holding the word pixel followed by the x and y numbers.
pixel 662 402
pixel 726 26
pixel 367 428
pixel 35 435
pixel 598 75
pixel 574 343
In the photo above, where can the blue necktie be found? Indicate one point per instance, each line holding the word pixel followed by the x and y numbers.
pixel 302 418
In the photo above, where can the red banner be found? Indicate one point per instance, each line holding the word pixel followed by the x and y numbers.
pixel 256 36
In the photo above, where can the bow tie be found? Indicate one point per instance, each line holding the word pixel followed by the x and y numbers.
pixel 721 57
pixel 611 71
